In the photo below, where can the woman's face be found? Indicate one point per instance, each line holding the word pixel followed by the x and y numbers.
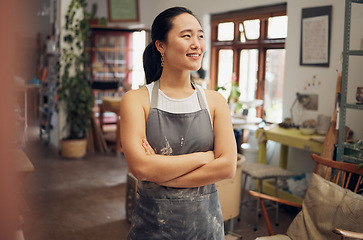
pixel 185 44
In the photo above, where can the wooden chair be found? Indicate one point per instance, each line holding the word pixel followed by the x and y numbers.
pixel 335 182
pixel 106 88
pixel 111 105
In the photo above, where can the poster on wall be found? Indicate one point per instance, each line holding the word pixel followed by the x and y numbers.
pixel 315 36
pixel 123 10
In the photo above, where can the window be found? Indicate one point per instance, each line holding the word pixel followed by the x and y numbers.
pixel 225 69
pixel 138 43
pixel 248 73
pixel 248 47
pixel 225 31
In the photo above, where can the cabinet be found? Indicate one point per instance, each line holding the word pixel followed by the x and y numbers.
pixel 347 52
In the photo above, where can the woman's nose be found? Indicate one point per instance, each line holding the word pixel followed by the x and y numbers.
pixel 195 43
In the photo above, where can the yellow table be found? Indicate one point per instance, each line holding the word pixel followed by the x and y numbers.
pixel 288 138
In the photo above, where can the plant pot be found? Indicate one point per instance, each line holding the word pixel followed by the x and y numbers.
pixel 74 148
pixel 93 21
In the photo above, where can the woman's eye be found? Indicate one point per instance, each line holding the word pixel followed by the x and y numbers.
pixel 201 36
pixel 186 35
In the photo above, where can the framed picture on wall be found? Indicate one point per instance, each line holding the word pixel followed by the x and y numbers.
pixel 315 36
pixel 123 10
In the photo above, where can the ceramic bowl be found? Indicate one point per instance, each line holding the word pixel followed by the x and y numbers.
pixel 307 131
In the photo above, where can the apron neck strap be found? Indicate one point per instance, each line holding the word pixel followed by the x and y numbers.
pixel 155 95
pixel 200 97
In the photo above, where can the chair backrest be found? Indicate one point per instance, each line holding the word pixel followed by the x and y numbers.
pixel 346 175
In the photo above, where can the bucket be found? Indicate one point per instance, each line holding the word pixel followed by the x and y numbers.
pixel 229 192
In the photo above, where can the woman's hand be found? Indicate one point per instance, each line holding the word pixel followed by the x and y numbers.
pixel 148 149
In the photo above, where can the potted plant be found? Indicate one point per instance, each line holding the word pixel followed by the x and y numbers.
pixel 92 19
pixel 74 88
pixel 234 95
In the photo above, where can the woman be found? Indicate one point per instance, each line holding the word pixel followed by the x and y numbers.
pixel 177 138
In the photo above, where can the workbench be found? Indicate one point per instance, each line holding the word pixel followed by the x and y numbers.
pixel 290 137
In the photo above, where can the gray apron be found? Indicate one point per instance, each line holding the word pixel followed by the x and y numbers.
pixel 177 213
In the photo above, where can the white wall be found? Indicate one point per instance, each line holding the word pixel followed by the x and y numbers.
pixel 59 131
pixel 296 75
pixel 27 27
pixel 59 118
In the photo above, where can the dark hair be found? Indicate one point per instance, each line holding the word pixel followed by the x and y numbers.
pixel 162 24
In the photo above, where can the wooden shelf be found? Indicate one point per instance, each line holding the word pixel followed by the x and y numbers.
pixel 116 29
pixel 107 49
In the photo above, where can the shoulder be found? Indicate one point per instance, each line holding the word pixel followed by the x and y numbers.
pixel 213 93
pixel 135 98
pixel 218 105
pixel 214 97
pixel 136 94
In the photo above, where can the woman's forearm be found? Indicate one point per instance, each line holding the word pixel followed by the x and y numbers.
pixel 161 168
pixel 216 170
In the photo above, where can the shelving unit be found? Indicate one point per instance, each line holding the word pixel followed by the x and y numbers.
pixel 110 55
pixel 347 52
pixel 46 101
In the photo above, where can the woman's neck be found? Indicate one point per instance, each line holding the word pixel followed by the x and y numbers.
pixel 176 84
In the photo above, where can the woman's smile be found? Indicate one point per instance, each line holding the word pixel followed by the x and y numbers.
pixel 194 55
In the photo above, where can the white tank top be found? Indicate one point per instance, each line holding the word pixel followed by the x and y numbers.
pixel 184 105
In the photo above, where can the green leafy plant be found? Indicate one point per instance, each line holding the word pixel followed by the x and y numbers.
pixel 92 16
pixel 74 90
pixel 235 93
pixel 217 88
pixel 102 21
pixel 233 96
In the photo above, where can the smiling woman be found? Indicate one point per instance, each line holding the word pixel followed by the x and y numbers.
pixel 177 137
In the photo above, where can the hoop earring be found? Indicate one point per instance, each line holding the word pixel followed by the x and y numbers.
pixel 162 59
